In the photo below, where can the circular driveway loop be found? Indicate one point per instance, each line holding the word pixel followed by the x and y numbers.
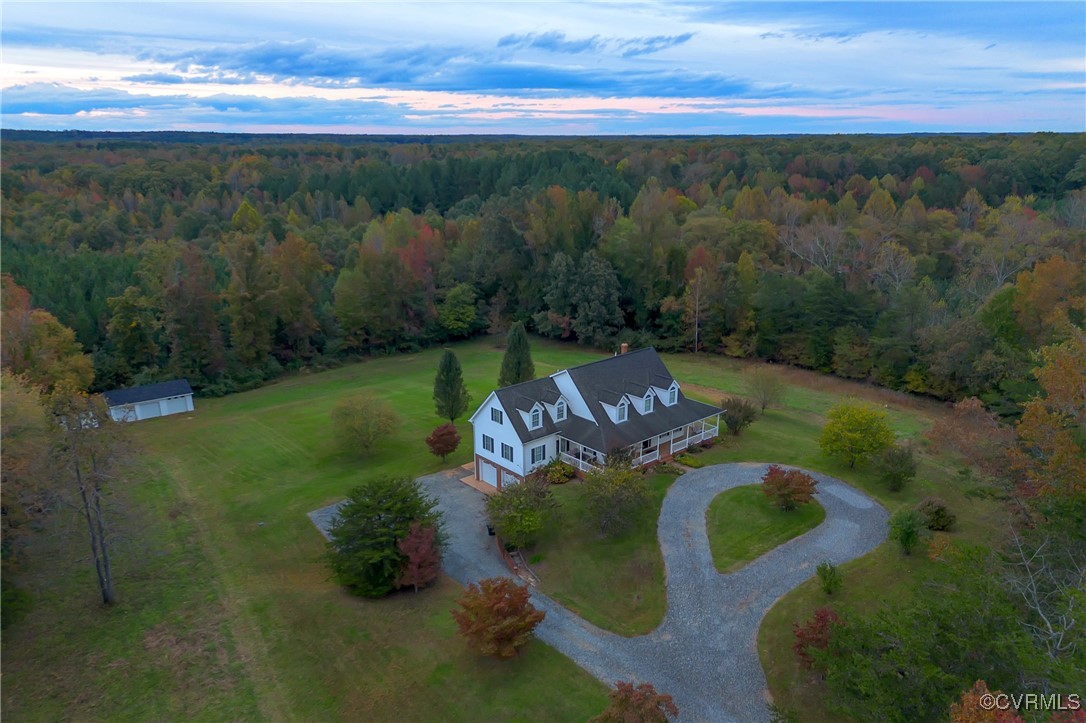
pixel 705 653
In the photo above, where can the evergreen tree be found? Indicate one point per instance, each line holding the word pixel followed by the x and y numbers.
pixel 517 363
pixel 451 398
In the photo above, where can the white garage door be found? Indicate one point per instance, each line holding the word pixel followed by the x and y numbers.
pixel 175 406
pixel 148 410
pixel 489 472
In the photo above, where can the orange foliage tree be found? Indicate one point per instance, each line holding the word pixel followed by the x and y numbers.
pixel 496 617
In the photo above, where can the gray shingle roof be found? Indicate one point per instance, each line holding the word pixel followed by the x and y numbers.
pixel 148 392
pixel 606 381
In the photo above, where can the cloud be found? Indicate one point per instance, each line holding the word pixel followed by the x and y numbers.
pixel 553 41
pixel 654 44
pixel 557 42
pixel 164 78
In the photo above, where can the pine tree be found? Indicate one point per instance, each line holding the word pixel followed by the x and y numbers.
pixel 451 398
pixel 517 363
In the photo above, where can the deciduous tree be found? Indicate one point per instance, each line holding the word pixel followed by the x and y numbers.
pixel 896 466
pixel 814 634
pixel 360 422
pixel 855 432
pixel 640 704
pixel 765 386
pixel 788 488
pixel 496 617
pixel 520 512
pixel 443 441
pixel 422 556
pixel 90 452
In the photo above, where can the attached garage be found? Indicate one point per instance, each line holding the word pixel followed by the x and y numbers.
pixel 152 400
pixel 488 473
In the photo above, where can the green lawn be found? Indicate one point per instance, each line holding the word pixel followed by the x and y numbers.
pixel 227 611
pixel 615 583
pixel 743 524
pixel 255 598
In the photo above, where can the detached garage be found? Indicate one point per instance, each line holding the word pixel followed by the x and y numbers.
pixel 149 401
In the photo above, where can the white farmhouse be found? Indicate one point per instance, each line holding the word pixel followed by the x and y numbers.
pixel 152 400
pixel 629 401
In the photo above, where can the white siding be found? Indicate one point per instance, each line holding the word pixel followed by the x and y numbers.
pixel 150 409
pixel 502 433
pixel 548 445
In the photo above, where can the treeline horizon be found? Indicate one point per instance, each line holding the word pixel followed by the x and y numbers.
pixel 931 263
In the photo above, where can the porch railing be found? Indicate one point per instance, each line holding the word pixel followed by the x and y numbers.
pixel 679 445
pixel 582 464
pixel 647 458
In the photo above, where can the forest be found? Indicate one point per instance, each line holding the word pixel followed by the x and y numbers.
pixel 932 264
pixel 951 267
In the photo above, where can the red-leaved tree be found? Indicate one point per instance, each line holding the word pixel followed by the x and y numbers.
pixel 815 633
pixel 641 704
pixel 496 617
pixel 423 557
pixel 788 488
pixel 443 441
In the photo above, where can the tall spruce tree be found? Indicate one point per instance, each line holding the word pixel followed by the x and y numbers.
pixel 451 398
pixel 517 363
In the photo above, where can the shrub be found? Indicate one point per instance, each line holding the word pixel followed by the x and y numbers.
pixel 788 488
pixel 690 461
pixel 360 422
pixel 855 432
pixel 936 515
pixel 520 512
pixel 906 528
pixel 814 634
pixel 641 703
pixel 496 618
pixel 364 553
pixel 613 497
pixel 443 441
pixel 828 577
pixel 555 472
pixel 738 414
pixel 895 466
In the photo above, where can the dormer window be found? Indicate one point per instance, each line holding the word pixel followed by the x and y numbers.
pixel 537 418
pixel 623 411
pixel 672 395
pixel 560 411
pixel 648 403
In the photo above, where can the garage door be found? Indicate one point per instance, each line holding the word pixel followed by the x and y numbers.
pixel 175 406
pixel 489 472
pixel 148 410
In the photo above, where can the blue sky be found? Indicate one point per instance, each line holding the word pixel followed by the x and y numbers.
pixel 545 68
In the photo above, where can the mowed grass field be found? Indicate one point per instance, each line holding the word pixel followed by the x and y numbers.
pixel 228 611
pixel 743 524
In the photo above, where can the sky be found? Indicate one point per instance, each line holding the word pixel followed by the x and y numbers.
pixel 550 68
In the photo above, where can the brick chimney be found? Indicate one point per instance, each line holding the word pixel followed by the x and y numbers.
pixel 624 348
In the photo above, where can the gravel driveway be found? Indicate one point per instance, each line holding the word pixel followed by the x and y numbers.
pixel 704 654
